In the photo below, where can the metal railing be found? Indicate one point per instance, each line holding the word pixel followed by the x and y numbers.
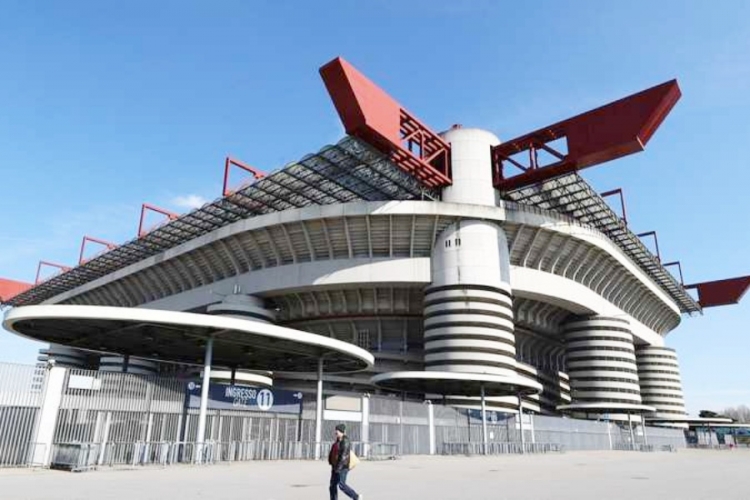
pixel 85 456
pixel 504 448
pixel 75 457
pixel 718 446
pixel 376 451
pixel 627 446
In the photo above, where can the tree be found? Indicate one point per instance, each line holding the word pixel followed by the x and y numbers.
pixel 740 414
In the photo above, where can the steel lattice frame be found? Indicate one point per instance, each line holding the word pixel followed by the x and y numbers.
pixel 572 196
pixel 348 171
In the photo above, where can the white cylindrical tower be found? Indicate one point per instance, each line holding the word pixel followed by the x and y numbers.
pixel 661 385
pixel 601 361
pixel 249 308
pixel 242 307
pixel 468 306
pixel 469 340
pixel 468 310
pixel 471 166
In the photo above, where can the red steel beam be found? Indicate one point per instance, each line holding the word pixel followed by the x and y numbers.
pixel 11 288
pixel 228 163
pixel 656 242
pixel 86 239
pixel 147 207
pixel 612 131
pixel 721 292
pixel 370 114
pixel 619 192
pixel 43 263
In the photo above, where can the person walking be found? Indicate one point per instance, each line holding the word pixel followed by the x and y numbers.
pixel 338 458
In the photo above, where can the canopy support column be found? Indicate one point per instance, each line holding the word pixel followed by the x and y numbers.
pixel 484 421
pixel 632 434
pixel 319 411
pixel 200 444
pixel 520 421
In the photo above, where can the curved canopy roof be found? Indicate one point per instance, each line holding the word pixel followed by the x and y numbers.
pixel 181 337
pixel 696 421
pixel 456 383
pixel 607 408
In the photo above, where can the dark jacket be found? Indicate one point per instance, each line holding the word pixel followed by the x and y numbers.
pixel 338 457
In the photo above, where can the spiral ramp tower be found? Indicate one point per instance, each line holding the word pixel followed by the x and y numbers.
pixel 469 341
pixel 246 307
pixel 601 364
pixel 661 384
pixel 128 364
pixel 64 356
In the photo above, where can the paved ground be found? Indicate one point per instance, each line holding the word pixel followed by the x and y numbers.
pixel 686 475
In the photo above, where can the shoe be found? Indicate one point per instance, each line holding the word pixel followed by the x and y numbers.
pixel 360 497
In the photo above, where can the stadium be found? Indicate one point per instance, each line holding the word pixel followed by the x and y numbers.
pixel 398 267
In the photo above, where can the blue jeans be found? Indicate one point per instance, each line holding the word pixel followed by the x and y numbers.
pixel 339 479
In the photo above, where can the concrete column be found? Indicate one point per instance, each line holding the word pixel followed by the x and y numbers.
pixel 178 434
pixel 105 437
pixel 47 420
pixel 632 434
pixel 401 426
pixel 149 430
pixel 98 427
pixel 199 448
pixel 533 431
pixel 431 424
pixel 319 411
pixel 484 420
pixel 218 422
pixel 365 432
pixel 520 420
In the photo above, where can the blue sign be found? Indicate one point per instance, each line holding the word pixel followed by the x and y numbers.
pixel 243 397
pixel 492 416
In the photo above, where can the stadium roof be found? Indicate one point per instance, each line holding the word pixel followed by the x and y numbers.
pixel 349 171
pixel 573 196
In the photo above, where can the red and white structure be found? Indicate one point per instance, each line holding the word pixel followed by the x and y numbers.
pixel 478 270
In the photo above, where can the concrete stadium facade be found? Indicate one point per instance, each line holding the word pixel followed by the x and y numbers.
pixel 469 283
pixel 457 278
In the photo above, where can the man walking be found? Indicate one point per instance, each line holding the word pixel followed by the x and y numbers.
pixel 338 457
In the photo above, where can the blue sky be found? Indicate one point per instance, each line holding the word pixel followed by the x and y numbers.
pixel 106 105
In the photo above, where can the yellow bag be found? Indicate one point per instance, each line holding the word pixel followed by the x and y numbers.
pixel 353 460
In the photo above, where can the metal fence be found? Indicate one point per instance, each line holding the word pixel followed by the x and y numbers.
pixel 664 438
pixel 119 419
pixel 119 407
pixel 474 448
pixel 85 456
pixel 21 394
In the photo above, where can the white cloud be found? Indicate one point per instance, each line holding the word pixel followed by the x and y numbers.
pixel 189 201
